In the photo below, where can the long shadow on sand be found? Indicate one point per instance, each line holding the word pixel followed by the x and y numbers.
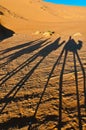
pixel 28 49
pixel 20 50
pixel 42 53
pixel 71 46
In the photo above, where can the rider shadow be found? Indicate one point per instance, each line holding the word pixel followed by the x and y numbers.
pixel 70 46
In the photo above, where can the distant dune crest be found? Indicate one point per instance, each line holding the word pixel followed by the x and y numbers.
pixel 30 14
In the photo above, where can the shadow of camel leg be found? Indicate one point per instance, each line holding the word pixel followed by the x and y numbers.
pixel 84 78
pixel 57 62
pixel 19 85
pixel 77 93
pixel 16 70
pixel 60 92
pixel 4 107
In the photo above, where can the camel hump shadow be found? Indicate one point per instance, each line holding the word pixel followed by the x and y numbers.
pixel 72 46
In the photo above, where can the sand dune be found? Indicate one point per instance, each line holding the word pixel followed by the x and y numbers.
pixel 31 14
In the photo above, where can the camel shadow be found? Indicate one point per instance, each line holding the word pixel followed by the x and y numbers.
pixel 70 46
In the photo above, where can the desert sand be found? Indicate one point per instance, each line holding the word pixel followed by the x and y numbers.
pixel 42 69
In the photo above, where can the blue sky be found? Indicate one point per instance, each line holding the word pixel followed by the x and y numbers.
pixel 69 2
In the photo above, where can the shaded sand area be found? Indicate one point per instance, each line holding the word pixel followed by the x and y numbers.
pixel 42 70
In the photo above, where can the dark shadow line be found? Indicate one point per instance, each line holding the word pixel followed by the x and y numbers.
pixel 26 50
pixel 57 62
pixel 19 85
pixel 60 92
pixel 16 70
pixel 19 51
pixel 84 79
pixel 23 51
pixel 77 92
pixel 16 123
pixel 19 46
pixel 13 72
